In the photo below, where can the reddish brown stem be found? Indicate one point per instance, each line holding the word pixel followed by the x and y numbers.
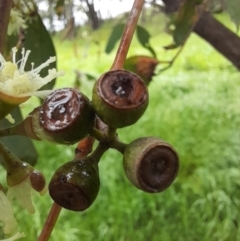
pixel 5 8
pixel 127 35
pixel 84 147
pixel 50 222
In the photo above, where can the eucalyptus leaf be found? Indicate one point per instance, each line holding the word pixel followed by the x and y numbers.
pixel 144 38
pixel 38 40
pixel 232 7
pixel 114 37
pixel 21 146
pixel 183 21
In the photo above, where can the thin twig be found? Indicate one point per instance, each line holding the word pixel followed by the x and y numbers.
pixel 127 35
pixel 50 222
pixel 171 62
pixel 5 9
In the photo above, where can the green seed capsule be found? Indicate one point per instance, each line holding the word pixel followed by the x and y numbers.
pixel 150 164
pixel 75 185
pixel 120 98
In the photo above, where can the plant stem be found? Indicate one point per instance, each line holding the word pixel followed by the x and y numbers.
pixel 98 152
pixel 99 135
pixel 84 147
pixel 118 145
pixel 111 133
pixel 5 9
pixel 9 159
pixel 50 222
pixel 6 132
pixel 127 35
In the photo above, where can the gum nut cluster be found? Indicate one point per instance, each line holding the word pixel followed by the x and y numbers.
pixel 120 98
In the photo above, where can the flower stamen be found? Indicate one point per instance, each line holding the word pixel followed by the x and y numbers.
pixel 24 60
pixel 14 81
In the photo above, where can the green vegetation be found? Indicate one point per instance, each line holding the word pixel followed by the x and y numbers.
pixel 195 107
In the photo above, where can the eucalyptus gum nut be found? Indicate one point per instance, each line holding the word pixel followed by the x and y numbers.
pixel 75 185
pixel 119 98
pixel 150 164
pixel 66 116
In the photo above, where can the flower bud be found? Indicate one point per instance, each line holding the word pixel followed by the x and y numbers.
pixel 75 185
pixel 150 164
pixel 17 171
pixel 120 98
pixel 37 180
pixel 20 177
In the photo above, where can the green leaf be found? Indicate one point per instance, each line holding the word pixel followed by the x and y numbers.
pixel 21 146
pixel 114 37
pixel 215 6
pixel 144 37
pixel 183 22
pixel 38 40
pixel 232 7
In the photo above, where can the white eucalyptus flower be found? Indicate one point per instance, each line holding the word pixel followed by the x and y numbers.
pixel 6 214
pixel 14 81
pixel 16 22
pixel 22 192
pixel 15 237
pixel 10 118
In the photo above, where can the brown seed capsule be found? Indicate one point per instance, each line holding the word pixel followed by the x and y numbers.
pixel 37 180
pixel 120 98
pixel 75 185
pixel 144 66
pixel 65 117
pixel 150 164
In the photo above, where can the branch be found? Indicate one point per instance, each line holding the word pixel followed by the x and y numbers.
pixel 50 222
pixel 221 38
pixel 215 33
pixel 127 35
pixel 5 9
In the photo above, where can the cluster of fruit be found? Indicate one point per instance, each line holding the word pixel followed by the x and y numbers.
pixel 66 116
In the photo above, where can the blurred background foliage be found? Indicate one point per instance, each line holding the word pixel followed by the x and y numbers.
pixel 194 106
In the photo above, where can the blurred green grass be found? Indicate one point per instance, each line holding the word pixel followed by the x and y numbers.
pixel 195 107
